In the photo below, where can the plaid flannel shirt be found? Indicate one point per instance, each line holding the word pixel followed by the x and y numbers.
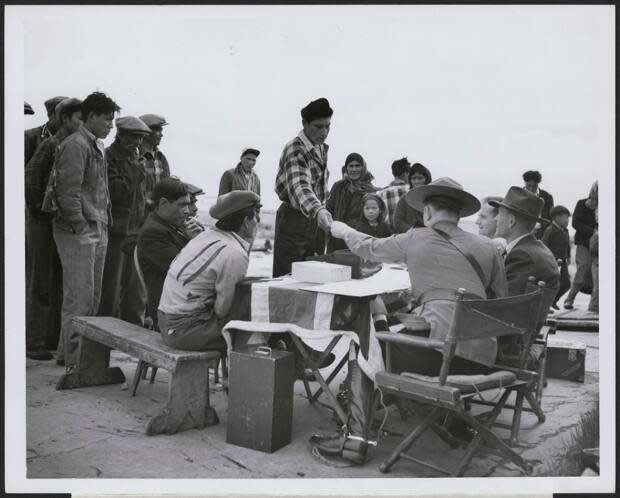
pixel 391 195
pixel 302 175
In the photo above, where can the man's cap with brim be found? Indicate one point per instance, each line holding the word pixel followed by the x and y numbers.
pixel 250 150
pixel 50 104
pixel 131 124
pixel 154 120
pixel 193 189
pixel 70 102
pixel 232 202
pixel 28 108
pixel 521 202
pixel 444 187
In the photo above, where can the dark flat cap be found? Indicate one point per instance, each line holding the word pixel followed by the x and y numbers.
pixel 557 210
pixel 249 150
pixel 317 109
pixel 131 124
pixel 70 102
pixel 50 104
pixel 153 120
pixel 28 108
pixel 232 202
pixel 193 189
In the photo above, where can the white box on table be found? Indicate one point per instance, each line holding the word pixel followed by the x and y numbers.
pixel 320 272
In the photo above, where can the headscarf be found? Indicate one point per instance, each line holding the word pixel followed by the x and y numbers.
pixel 380 203
pixel 421 169
pixel 364 182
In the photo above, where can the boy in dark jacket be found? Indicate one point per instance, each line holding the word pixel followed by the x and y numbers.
pixel 556 238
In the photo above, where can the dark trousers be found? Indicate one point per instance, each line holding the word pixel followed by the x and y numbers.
pixel 122 294
pixel 43 286
pixel 296 238
pixel 564 282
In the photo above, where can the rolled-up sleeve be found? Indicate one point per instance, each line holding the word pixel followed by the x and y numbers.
pixel 70 165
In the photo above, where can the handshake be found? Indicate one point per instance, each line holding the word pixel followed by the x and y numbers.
pixel 325 221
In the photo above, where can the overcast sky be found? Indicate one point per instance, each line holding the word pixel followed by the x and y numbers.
pixel 480 94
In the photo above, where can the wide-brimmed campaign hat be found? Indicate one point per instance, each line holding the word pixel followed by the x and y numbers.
pixel 444 187
pixel 521 202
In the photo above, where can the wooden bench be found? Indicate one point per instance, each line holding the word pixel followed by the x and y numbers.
pixel 188 386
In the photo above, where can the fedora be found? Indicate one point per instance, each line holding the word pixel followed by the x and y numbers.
pixel 445 187
pixel 522 202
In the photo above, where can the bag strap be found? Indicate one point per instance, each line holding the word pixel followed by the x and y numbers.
pixel 468 256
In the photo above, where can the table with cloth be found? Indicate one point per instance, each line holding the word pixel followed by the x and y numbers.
pixel 317 314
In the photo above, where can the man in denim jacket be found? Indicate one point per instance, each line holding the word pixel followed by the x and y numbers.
pixel 81 199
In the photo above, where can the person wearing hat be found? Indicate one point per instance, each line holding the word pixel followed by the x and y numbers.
pixel 34 136
pixel 194 192
pixel 28 108
pixel 525 255
pixel 162 237
pixel 155 162
pixel 122 295
pixel 438 258
pixel 200 285
pixel 531 180
pixel 556 238
pixel 44 278
pixel 78 194
pixel 302 219
pixel 242 176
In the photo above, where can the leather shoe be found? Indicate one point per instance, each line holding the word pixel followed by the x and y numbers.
pixel 353 450
pixel 39 354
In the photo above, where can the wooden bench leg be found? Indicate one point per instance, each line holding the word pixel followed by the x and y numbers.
pixel 93 368
pixel 188 401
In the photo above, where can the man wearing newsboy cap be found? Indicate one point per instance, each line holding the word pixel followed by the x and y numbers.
pixel 34 136
pixel 243 176
pixel 200 285
pixel 525 255
pixel 441 257
pixel 122 294
pixel 156 164
pixel 301 185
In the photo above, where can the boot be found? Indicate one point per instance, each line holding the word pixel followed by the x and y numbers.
pixel 352 442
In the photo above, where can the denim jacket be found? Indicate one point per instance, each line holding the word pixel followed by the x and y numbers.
pixel 80 181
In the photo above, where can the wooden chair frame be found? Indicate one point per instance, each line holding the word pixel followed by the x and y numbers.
pixel 491 318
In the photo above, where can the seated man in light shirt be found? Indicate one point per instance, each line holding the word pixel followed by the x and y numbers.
pixel 200 285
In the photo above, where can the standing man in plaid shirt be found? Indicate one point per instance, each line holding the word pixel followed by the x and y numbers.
pixel 155 163
pixel 301 185
pixel 397 188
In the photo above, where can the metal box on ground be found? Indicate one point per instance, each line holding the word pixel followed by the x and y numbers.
pixel 260 398
pixel 566 359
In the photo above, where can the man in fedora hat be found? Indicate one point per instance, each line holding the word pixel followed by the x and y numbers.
pixel 122 294
pixel 200 285
pixel 525 255
pixel 441 258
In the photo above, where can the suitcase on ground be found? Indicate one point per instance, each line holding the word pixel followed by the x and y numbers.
pixel 565 360
pixel 260 398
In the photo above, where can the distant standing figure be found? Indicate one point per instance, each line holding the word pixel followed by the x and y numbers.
pixel 397 189
pixel 371 220
pixel 34 136
pixel 345 198
pixel 155 163
pixel 532 179
pixel 406 217
pixel 301 184
pixel 584 223
pixel 556 238
pixel 28 108
pixel 242 176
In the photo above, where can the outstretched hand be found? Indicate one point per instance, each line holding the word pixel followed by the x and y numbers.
pixel 339 229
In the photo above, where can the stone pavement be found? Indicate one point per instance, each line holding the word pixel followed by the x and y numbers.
pixel 98 432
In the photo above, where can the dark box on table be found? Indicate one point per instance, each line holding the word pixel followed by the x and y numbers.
pixel 565 360
pixel 260 398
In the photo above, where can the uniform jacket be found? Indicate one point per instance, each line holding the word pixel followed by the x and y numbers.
pixel 434 262
pixel 530 257
pixel 126 183
pixel 80 180
pixel 235 179
pixel 158 244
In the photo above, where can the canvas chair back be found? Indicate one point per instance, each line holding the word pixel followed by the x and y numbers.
pixel 489 318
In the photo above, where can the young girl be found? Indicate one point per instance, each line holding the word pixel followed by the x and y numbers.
pixel 372 219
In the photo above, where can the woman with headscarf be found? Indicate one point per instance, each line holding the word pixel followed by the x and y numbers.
pixel 405 217
pixel 345 198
